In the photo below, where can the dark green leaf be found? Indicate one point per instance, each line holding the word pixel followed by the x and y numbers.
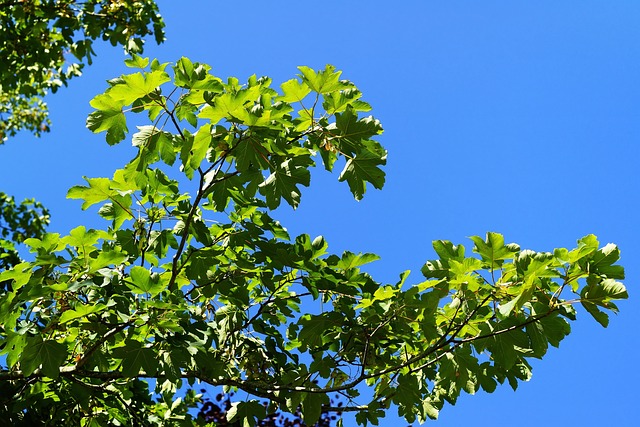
pixel 136 357
pixel 284 180
pixel 312 407
pixel 48 354
pixel 364 167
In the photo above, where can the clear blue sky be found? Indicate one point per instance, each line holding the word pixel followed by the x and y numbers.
pixel 509 116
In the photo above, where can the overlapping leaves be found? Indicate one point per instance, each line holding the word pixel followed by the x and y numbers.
pixel 46 43
pixel 247 129
pixel 194 280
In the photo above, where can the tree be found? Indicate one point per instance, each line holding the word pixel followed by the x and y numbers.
pixel 193 281
pixel 38 39
pixel 19 222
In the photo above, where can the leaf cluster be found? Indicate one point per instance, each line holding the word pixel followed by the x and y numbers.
pixel 193 281
pixel 220 410
pixel 18 222
pixel 47 42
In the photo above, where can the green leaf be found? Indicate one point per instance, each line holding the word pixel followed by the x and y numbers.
pixel 430 410
pixel 196 76
pixel 136 357
pixel 371 415
pixel 13 346
pixel 312 407
pixel 246 412
pixel 137 85
pixel 154 144
pixel 320 246
pixel 81 310
pixel 352 134
pixel 362 168
pixel 350 260
pixel 385 293
pixel 601 262
pixel 537 339
pixel 82 238
pixel 46 353
pixel 106 258
pixel 108 117
pixel 516 303
pixel 226 105
pixel 493 250
pixel 118 211
pixel 194 150
pixel 142 281
pixel 324 81
pixel 601 294
pixel 604 291
pixel 586 246
pixel 250 118
pixel 99 190
pixel 447 250
pixel 600 316
pixel 313 328
pixel 336 102
pixel 555 329
pixel 223 190
pixel 137 61
pixel 294 91
pixel 50 242
pixel 462 271
pixel 183 72
pixel 323 366
pixel 252 152
pixel 407 395
pixel 485 378
pixel 20 274
pixel 506 345
pixel 283 182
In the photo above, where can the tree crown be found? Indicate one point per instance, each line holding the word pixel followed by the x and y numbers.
pixel 45 43
pixel 193 280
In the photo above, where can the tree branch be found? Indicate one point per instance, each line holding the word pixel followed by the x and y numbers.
pixel 101 341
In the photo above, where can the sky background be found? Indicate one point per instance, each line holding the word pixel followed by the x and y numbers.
pixel 516 117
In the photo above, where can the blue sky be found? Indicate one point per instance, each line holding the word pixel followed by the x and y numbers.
pixel 516 117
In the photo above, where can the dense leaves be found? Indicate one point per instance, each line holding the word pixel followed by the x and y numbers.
pixel 18 222
pixel 193 281
pixel 45 43
pixel 220 410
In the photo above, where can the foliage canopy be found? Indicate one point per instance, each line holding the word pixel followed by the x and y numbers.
pixel 18 222
pixel 194 281
pixel 39 40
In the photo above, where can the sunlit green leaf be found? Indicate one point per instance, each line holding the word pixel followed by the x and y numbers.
pixel 142 281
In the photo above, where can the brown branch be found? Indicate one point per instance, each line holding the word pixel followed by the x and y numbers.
pixel 185 235
pixel 341 409
pixel 202 190
pixel 173 119
pixel 442 343
pixel 101 341
pixel 147 243
pixel 529 321
pixel 103 389
pixel 269 301
pixel 255 389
